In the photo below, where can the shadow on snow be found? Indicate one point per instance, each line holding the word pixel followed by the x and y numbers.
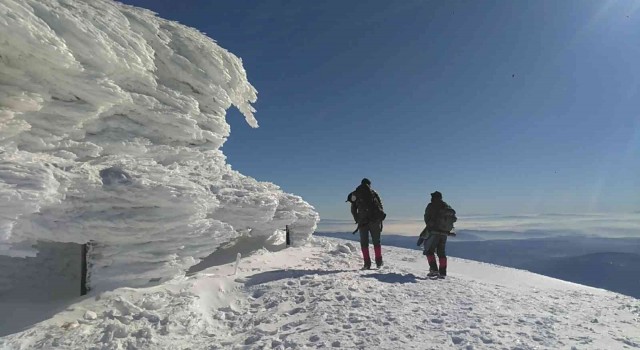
pixel 395 277
pixel 271 276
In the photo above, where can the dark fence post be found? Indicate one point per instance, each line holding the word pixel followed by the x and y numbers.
pixel 288 236
pixel 83 269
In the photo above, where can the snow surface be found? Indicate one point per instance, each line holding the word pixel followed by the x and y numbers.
pixel 111 124
pixel 314 296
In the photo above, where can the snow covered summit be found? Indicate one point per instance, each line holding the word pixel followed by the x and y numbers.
pixel 111 123
pixel 315 296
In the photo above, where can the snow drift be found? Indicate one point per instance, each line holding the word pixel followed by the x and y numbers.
pixel 111 123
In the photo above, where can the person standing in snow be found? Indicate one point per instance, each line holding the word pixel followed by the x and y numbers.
pixel 367 211
pixel 439 218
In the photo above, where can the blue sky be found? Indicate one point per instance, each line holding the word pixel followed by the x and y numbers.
pixel 504 106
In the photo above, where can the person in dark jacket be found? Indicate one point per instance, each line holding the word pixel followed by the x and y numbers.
pixel 366 209
pixel 436 239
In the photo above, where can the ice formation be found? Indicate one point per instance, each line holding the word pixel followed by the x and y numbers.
pixel 111 123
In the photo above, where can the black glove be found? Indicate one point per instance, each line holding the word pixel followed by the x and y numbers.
pixel 420 240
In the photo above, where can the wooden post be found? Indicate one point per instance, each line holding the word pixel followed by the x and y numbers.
pixel 288 236
pixel 83 269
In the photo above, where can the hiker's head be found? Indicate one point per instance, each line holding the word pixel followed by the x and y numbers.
pixel 436 196
pixel 365 181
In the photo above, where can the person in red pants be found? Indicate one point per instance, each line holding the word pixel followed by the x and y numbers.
pixel 439 218
pixel 367 211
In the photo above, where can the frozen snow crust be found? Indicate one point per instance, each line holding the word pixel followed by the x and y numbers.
pixel 111 123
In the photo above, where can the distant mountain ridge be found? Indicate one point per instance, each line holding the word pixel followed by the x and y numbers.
pixel 617 271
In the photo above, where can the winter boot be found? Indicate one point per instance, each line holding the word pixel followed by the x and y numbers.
pixel 366 258
pixel 443 267
pixel 377 249
pixel 433 266
pixel 367 265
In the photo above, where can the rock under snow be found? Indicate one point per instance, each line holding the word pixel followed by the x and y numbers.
pixel 90 315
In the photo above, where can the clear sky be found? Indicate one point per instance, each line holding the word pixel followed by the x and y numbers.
pixel 504 106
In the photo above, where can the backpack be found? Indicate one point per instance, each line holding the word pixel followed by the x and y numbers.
pixel 445 219
pixel 369 205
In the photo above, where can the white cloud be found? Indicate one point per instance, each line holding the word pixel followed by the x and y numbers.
pixel 606 225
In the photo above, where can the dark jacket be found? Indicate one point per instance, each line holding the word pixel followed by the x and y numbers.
pixel 431 212
pixel 361 215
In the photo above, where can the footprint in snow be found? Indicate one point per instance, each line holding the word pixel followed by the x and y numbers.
pixel 295 311
pixel 457 339
pixel 252 339
pixel 258 293
pixel 486 340
pixel 628 342
pixel 271 304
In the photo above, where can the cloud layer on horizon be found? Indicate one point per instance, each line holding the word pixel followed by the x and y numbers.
pixel 605 225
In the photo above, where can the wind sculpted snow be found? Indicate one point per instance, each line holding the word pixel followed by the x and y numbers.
pixel 111 123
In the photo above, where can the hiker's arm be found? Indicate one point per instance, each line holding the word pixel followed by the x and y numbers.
pixel 354 212
pixel 427 214
pixel 379 199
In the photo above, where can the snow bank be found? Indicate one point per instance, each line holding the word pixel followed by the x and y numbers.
pixel 111 123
